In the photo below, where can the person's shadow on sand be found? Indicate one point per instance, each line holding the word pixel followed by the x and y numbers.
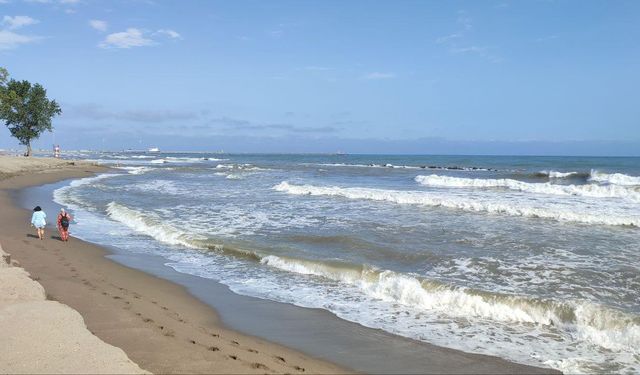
pixel 56 238
pixel 32 235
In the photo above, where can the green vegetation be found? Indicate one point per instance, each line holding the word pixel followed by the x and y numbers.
pixel 25 109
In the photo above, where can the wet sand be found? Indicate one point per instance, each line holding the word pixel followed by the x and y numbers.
pixel 164 328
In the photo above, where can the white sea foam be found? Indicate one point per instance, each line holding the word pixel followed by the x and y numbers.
pixel 241 167
pixel 145 223
pixel 598 325
pixel 556 174
pixel 172 159
pixel 494 205
pixel 136 170
pixel 64 195
pixel 608 328
pixel 587 190
pixel 614 178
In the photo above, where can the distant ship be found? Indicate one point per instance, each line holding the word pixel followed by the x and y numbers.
pixel 153 149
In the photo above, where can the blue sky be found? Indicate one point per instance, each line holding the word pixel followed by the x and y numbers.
pixel 534 77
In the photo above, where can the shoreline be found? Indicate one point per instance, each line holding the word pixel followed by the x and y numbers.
pixel 158 324
pixel 171 306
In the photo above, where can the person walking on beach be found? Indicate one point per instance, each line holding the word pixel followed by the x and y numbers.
pixel 64 219
pixel 38 220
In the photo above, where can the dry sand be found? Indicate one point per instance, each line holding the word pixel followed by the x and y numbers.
pixel 158 324
pixel 40 336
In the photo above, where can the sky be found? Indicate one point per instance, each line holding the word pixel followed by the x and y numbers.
pixel 418 77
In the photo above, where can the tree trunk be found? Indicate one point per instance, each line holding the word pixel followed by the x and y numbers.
pixel 28 149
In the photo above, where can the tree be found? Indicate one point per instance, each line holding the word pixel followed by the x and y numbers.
pixel 26 109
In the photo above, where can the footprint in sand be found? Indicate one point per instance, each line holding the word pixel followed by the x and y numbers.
pixel 214 348
pixel 260 366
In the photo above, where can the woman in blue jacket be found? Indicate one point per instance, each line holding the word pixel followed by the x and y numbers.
pixel 38 220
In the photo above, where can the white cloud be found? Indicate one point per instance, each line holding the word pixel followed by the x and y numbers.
pixel 471 49
pixel 483 52
pixel 10 40
pixel 170 33
pixel 132 37
pixel 448 38
pixel 17 22
pixel 99 25
pixel 379 75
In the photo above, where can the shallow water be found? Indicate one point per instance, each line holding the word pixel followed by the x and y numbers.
pixel 533 259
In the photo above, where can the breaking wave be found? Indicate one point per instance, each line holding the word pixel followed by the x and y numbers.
pixel 136 170
pixel 160 230
pixel 559 175
pixel 471 204
pixel 614 178
pixel 240 167
pixel 587 190
pixel 598 325
pixel 171 159
pixel 611 329
pixel 64 197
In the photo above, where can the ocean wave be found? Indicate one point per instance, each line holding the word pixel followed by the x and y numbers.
pixel 599 325
pixel 147 224
pixel 136 170
pixel 64 196
pixel 153 226
pixel 614 178
pixel 559 175
pixel 587 190
pixel 471 204
pixel 392 166
pixel 241 167
pixel 172 159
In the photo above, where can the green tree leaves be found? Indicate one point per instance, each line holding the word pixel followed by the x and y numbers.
pixel 25 109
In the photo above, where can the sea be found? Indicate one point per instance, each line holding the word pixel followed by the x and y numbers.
pixel 532 259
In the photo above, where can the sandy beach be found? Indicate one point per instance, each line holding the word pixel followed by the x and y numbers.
pixel 158 324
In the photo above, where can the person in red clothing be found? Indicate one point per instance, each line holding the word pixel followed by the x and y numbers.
pixel 64 219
